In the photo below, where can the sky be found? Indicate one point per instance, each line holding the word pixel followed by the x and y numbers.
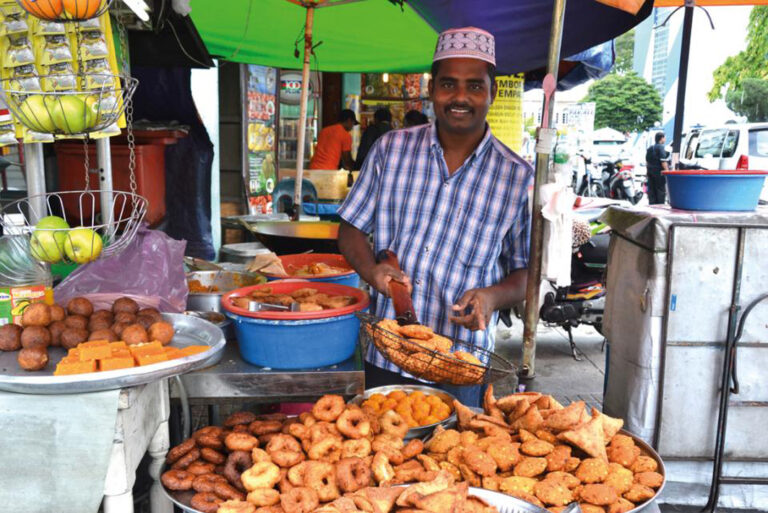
pixel 709 49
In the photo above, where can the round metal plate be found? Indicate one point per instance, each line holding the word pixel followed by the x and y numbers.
pixel 421 431
pixel 189 331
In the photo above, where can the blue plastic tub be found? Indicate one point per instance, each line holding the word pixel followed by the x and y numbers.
pixel 297 340
pixel 305 344
pixel 735 191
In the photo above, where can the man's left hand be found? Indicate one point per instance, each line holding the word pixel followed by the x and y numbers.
pixel 481 305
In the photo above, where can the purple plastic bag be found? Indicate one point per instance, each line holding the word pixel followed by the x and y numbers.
pixel 150 269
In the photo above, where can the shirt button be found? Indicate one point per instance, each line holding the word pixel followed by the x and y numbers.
pixel 426 250
pixel 418 282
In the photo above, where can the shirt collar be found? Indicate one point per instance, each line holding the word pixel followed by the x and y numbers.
pixel 484 142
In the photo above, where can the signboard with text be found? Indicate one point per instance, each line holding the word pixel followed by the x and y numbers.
pixel 505 116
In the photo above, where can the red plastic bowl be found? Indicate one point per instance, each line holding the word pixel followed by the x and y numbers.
pixel 288 286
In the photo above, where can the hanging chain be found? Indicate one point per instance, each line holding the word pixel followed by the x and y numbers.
pixel 128 108
pixel 87 164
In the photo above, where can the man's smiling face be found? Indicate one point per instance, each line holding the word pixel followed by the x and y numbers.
pixel 462 93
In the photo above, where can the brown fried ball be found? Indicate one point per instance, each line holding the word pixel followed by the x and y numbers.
pixel 10 337
pixel 118 328
pixel 105 334
pixel 33 358
pixel 103 314
pixel 99 324
pixel 70 337
pixel 76 321
pixel 162 332
pixel 125 304
pixel 36 314
pixel 56 328
pixel 58 313
pixel 134 334
pixel 35 336
pixel 80 306
pixel 126 317
pixel 153 313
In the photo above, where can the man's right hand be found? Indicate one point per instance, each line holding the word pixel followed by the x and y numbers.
pixel 382 274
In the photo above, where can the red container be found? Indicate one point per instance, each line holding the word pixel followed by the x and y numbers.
pixel 150 175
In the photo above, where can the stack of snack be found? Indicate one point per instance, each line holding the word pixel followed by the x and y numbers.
pixel 416 408
pixel 421 352
pixel 44 326
pixel 101 356
pixel 531 447
pixel 309 299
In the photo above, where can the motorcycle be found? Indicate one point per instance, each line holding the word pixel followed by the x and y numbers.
pixel 582 302
pixel 589 184
pixel 619 181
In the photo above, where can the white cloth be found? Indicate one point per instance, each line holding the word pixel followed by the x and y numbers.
pixel 557 211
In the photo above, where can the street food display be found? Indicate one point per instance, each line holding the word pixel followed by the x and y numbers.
pixel 341 457
pixel 43 326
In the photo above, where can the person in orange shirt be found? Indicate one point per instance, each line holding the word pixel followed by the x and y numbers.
pixel 334 144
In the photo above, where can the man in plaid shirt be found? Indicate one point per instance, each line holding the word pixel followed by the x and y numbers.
pixel 451 202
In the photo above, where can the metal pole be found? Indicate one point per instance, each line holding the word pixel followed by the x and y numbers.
pixel 104 158
pixel 303 110
pixel 33 153
pixel 528 368
pixel 682 80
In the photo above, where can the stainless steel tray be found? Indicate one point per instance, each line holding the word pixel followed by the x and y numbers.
pixel 189 331
pixel 417 432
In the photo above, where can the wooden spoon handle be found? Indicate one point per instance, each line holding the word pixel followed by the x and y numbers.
pixel 401 299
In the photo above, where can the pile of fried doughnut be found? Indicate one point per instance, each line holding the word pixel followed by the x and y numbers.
pixel 531 447
pixel 309 299
pixel 421 352
pixel 273 464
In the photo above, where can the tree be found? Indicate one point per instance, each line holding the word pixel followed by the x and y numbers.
pixel 625 102
pixel 750 100
pixel 625 51
pixel 752 62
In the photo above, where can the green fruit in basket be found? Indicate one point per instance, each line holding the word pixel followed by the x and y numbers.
pixel 47 241
pixel 35 115
pixel 69 114
pixel 82 245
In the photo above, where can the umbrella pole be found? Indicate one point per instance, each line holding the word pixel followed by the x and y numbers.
pixel 303 110
pixel 531 318
pixel 682 81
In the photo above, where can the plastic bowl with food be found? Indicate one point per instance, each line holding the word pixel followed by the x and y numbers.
pixel 296 340
pixel 420 431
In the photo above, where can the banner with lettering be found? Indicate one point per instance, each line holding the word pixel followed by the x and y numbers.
pixel 506 114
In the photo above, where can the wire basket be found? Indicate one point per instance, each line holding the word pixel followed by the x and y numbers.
pixel 69 10
pixel 71 112
pixel 423 362
pixel 88 237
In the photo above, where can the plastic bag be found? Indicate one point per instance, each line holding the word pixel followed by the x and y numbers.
pixel 152 266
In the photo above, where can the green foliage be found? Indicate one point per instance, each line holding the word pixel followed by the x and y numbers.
pixel 750 100
pixel 626 103
pixel 625 51
pixel 752 62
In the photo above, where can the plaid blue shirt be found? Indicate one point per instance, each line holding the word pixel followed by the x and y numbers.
pixel 451 233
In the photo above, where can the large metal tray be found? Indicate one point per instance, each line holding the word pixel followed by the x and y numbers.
pixel 189 331
pixel 421 431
